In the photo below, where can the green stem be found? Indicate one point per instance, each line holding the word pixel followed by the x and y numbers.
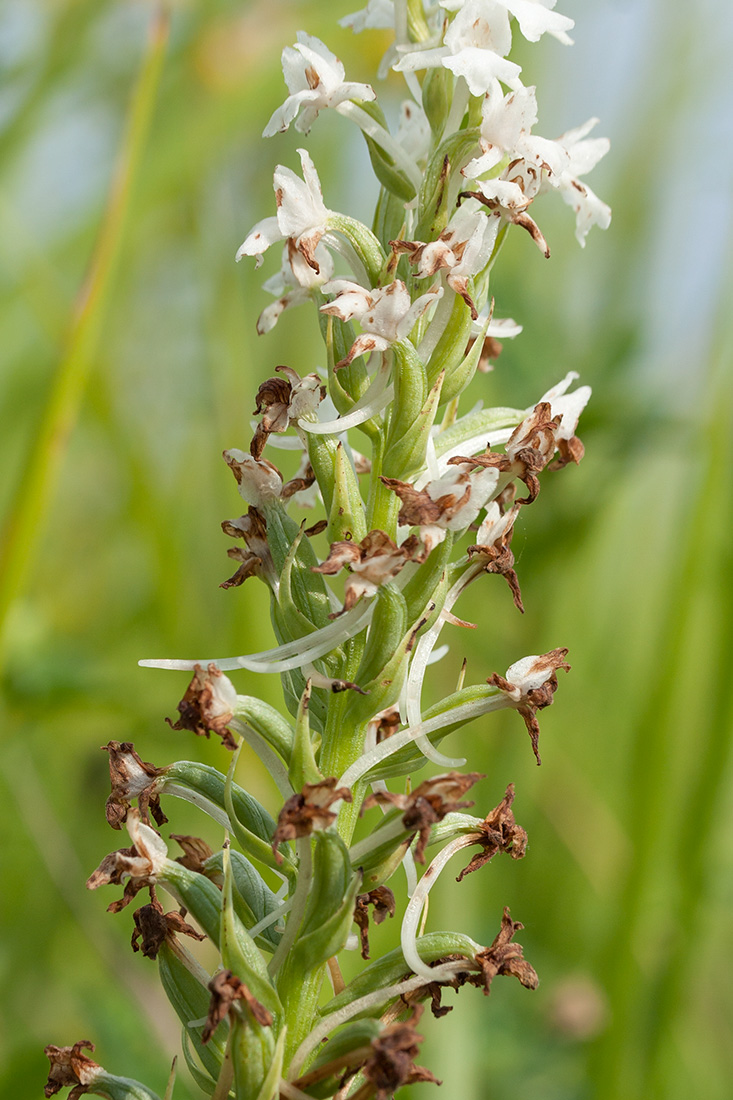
pixel 35 487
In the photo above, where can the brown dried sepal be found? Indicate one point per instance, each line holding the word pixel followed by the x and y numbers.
pixel 204 709
pixel 490 352
pixel 504 957
pixel 275 399
pixel 528 702
pixel 153 927
pixel 427 804
pixel 298 485
pixel 250 566
pixel 386 723
pixel 569 450
pixel 308 810
pixel 383 901
pixel 391 1063
pixel 195 852
pixel 131 777
pixel 226 990
pixel 70 1067
pixel 499 833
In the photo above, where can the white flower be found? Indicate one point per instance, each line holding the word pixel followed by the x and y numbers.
pixel 301 215
pixel 475 47
pixel 294 282
pixel 448 503
pixel 582 155
pixel 568 406
pixel 534 17
pixel 377 15
pixel 463 249
pixel 385 314
pixel 372 562
pixel 504 121
pixel 508 201
pixel 315 80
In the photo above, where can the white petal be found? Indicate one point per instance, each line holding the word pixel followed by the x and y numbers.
pixel 479 67
pixel 535 20
pixel 259 239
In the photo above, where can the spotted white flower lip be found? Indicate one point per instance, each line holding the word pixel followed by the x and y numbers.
pixel 315 79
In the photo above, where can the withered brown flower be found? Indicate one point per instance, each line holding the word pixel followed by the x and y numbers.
pixel 131 777
pixel 226 990
pixel 195 852
pixel 371 562
pixel 504 957
pixel 142 862
pixel 308 810
pixel 492 547
pixel 528 450
pixel 70 1067
pixel 153 927
pixel 255 559
pixel 499 833
pixel 281 401
pixel 427 804
pixel 391 1063
pixel 208 705
pixel 530 685
pixel 383 901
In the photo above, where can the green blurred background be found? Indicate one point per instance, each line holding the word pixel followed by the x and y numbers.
pixel 130 174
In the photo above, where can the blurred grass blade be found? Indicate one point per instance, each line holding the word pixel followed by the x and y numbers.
pixel 35 486
pixel 628 1061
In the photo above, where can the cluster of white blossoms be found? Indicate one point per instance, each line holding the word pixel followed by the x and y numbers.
pixel 497 180
pixel 407 319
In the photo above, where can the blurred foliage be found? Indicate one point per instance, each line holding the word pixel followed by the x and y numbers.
pixel 626 892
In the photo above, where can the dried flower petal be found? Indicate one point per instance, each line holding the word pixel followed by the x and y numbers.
pixel 153 927
pixel 141 863
pixel 132 777
pixel 504 957
pixel 427 804
pixel 383 901
pixel 492 546
pixel 195 852
pixel 373 561
pixel 391 1063
pixel 308 810
pixel 499 833
pixel 70 1067
pixel 226 989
